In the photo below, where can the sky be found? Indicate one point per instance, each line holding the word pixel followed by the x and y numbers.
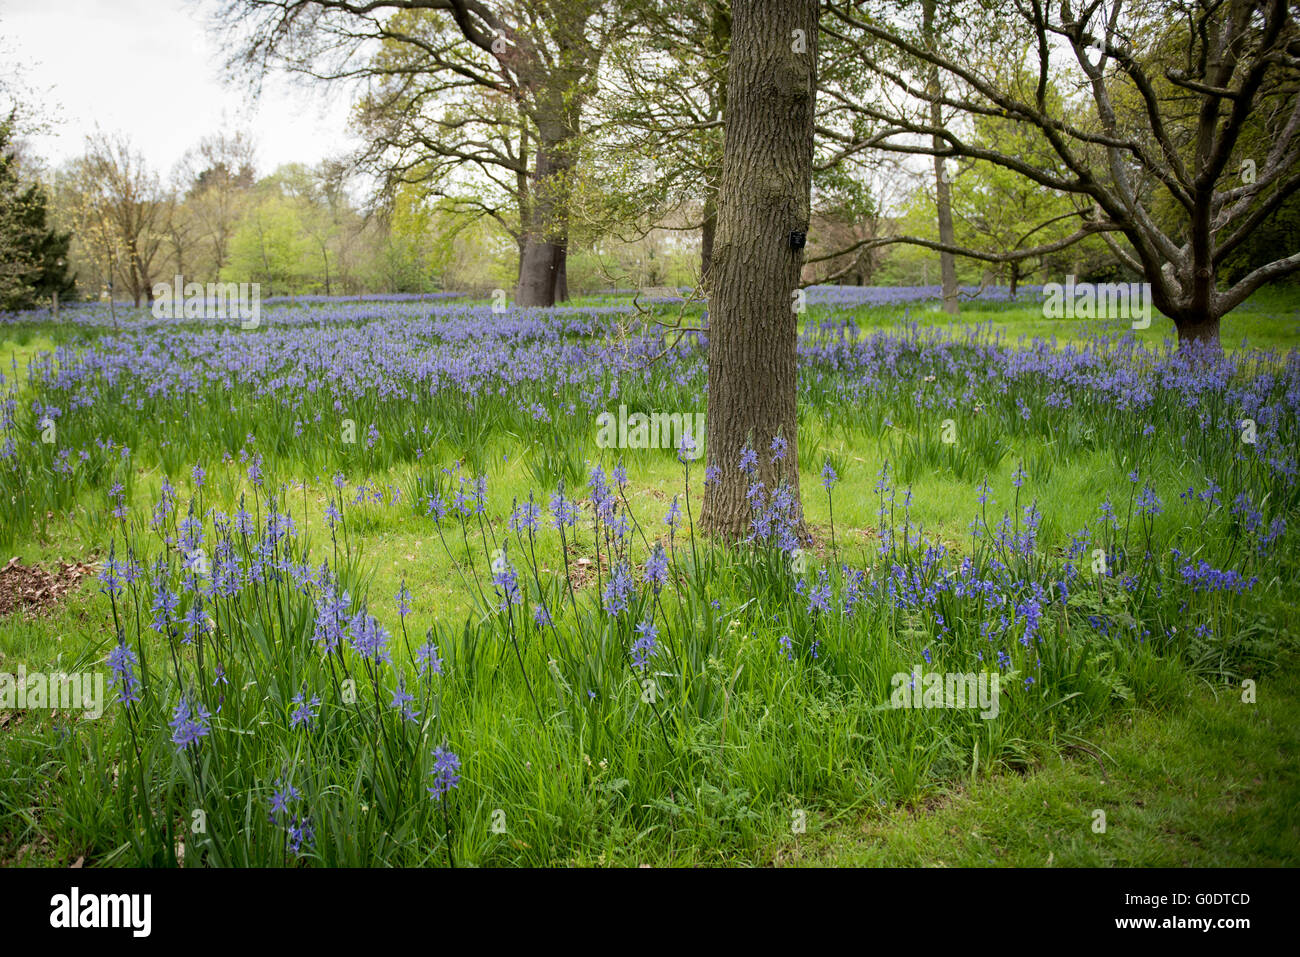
pixel 152 69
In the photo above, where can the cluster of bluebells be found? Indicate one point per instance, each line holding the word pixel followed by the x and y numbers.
pixel 1005 586
pixel 646 644
pixel 190 722
pixel 122 663
pixel 775 516
pixel 285 814
pixel 305 710
pixel 445 772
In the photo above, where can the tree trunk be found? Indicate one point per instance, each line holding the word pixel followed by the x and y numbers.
pixel 1198 330
pixel 562 271
pixel 942 189
pixel 541 259
pixel 763 213
pixel 537 269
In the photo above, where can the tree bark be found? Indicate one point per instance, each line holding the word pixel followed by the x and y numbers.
pixel 540 262
pixel 562 271
pixel 1198 330
pixel 764 199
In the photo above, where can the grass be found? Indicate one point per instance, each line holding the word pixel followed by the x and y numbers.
pixel 749 728
pixel 1211 782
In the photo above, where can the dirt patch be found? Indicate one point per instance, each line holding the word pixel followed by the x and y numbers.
pixel 36 591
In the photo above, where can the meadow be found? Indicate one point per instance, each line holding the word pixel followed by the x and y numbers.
pixel 368 590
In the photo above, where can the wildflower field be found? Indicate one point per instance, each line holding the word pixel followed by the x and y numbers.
pixel 368 590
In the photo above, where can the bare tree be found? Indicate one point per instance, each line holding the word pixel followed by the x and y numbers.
pixel 218 176
pixel 1150 141
pixel 131 207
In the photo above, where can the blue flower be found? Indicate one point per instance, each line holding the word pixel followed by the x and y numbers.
pixel 644 648
pixel 428 659
pixel 305 712
pixel 402 700
pixel 445 777
pixel 656 567
pixel 828 476
pixel 189 723
pixel 122 662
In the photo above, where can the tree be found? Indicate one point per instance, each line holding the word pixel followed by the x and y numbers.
pixel 1166 91
pixel 219 175
pixel 33 257
pixel 663 101
pixel 763 213
pixel 538 56
pixel 131 208
pixel 271 245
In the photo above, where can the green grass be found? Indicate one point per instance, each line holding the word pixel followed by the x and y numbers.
pixel 744 737
pixel 1209 782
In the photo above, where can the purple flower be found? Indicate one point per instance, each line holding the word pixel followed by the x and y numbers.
pixel 828 476
pixel 619 590
pixel 674 516
pixel 427 657
pixel 402 700
pixel 122 662
pixel 369 638
pixel 189 723
pixel 524 517
pixel 644 648
pixel 656 567
pixel 305 712
pixel 563 511
pixel 445 777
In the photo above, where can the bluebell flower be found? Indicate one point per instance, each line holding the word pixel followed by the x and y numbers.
pixel 122 662
pixel 656 567
pixel 446 766
pixel 305 712
pixel 402 700
pixel 828 476
pixel 189 723
pixel 427 656
pixel 645 646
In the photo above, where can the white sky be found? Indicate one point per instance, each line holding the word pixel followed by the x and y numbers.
pixel 153 69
